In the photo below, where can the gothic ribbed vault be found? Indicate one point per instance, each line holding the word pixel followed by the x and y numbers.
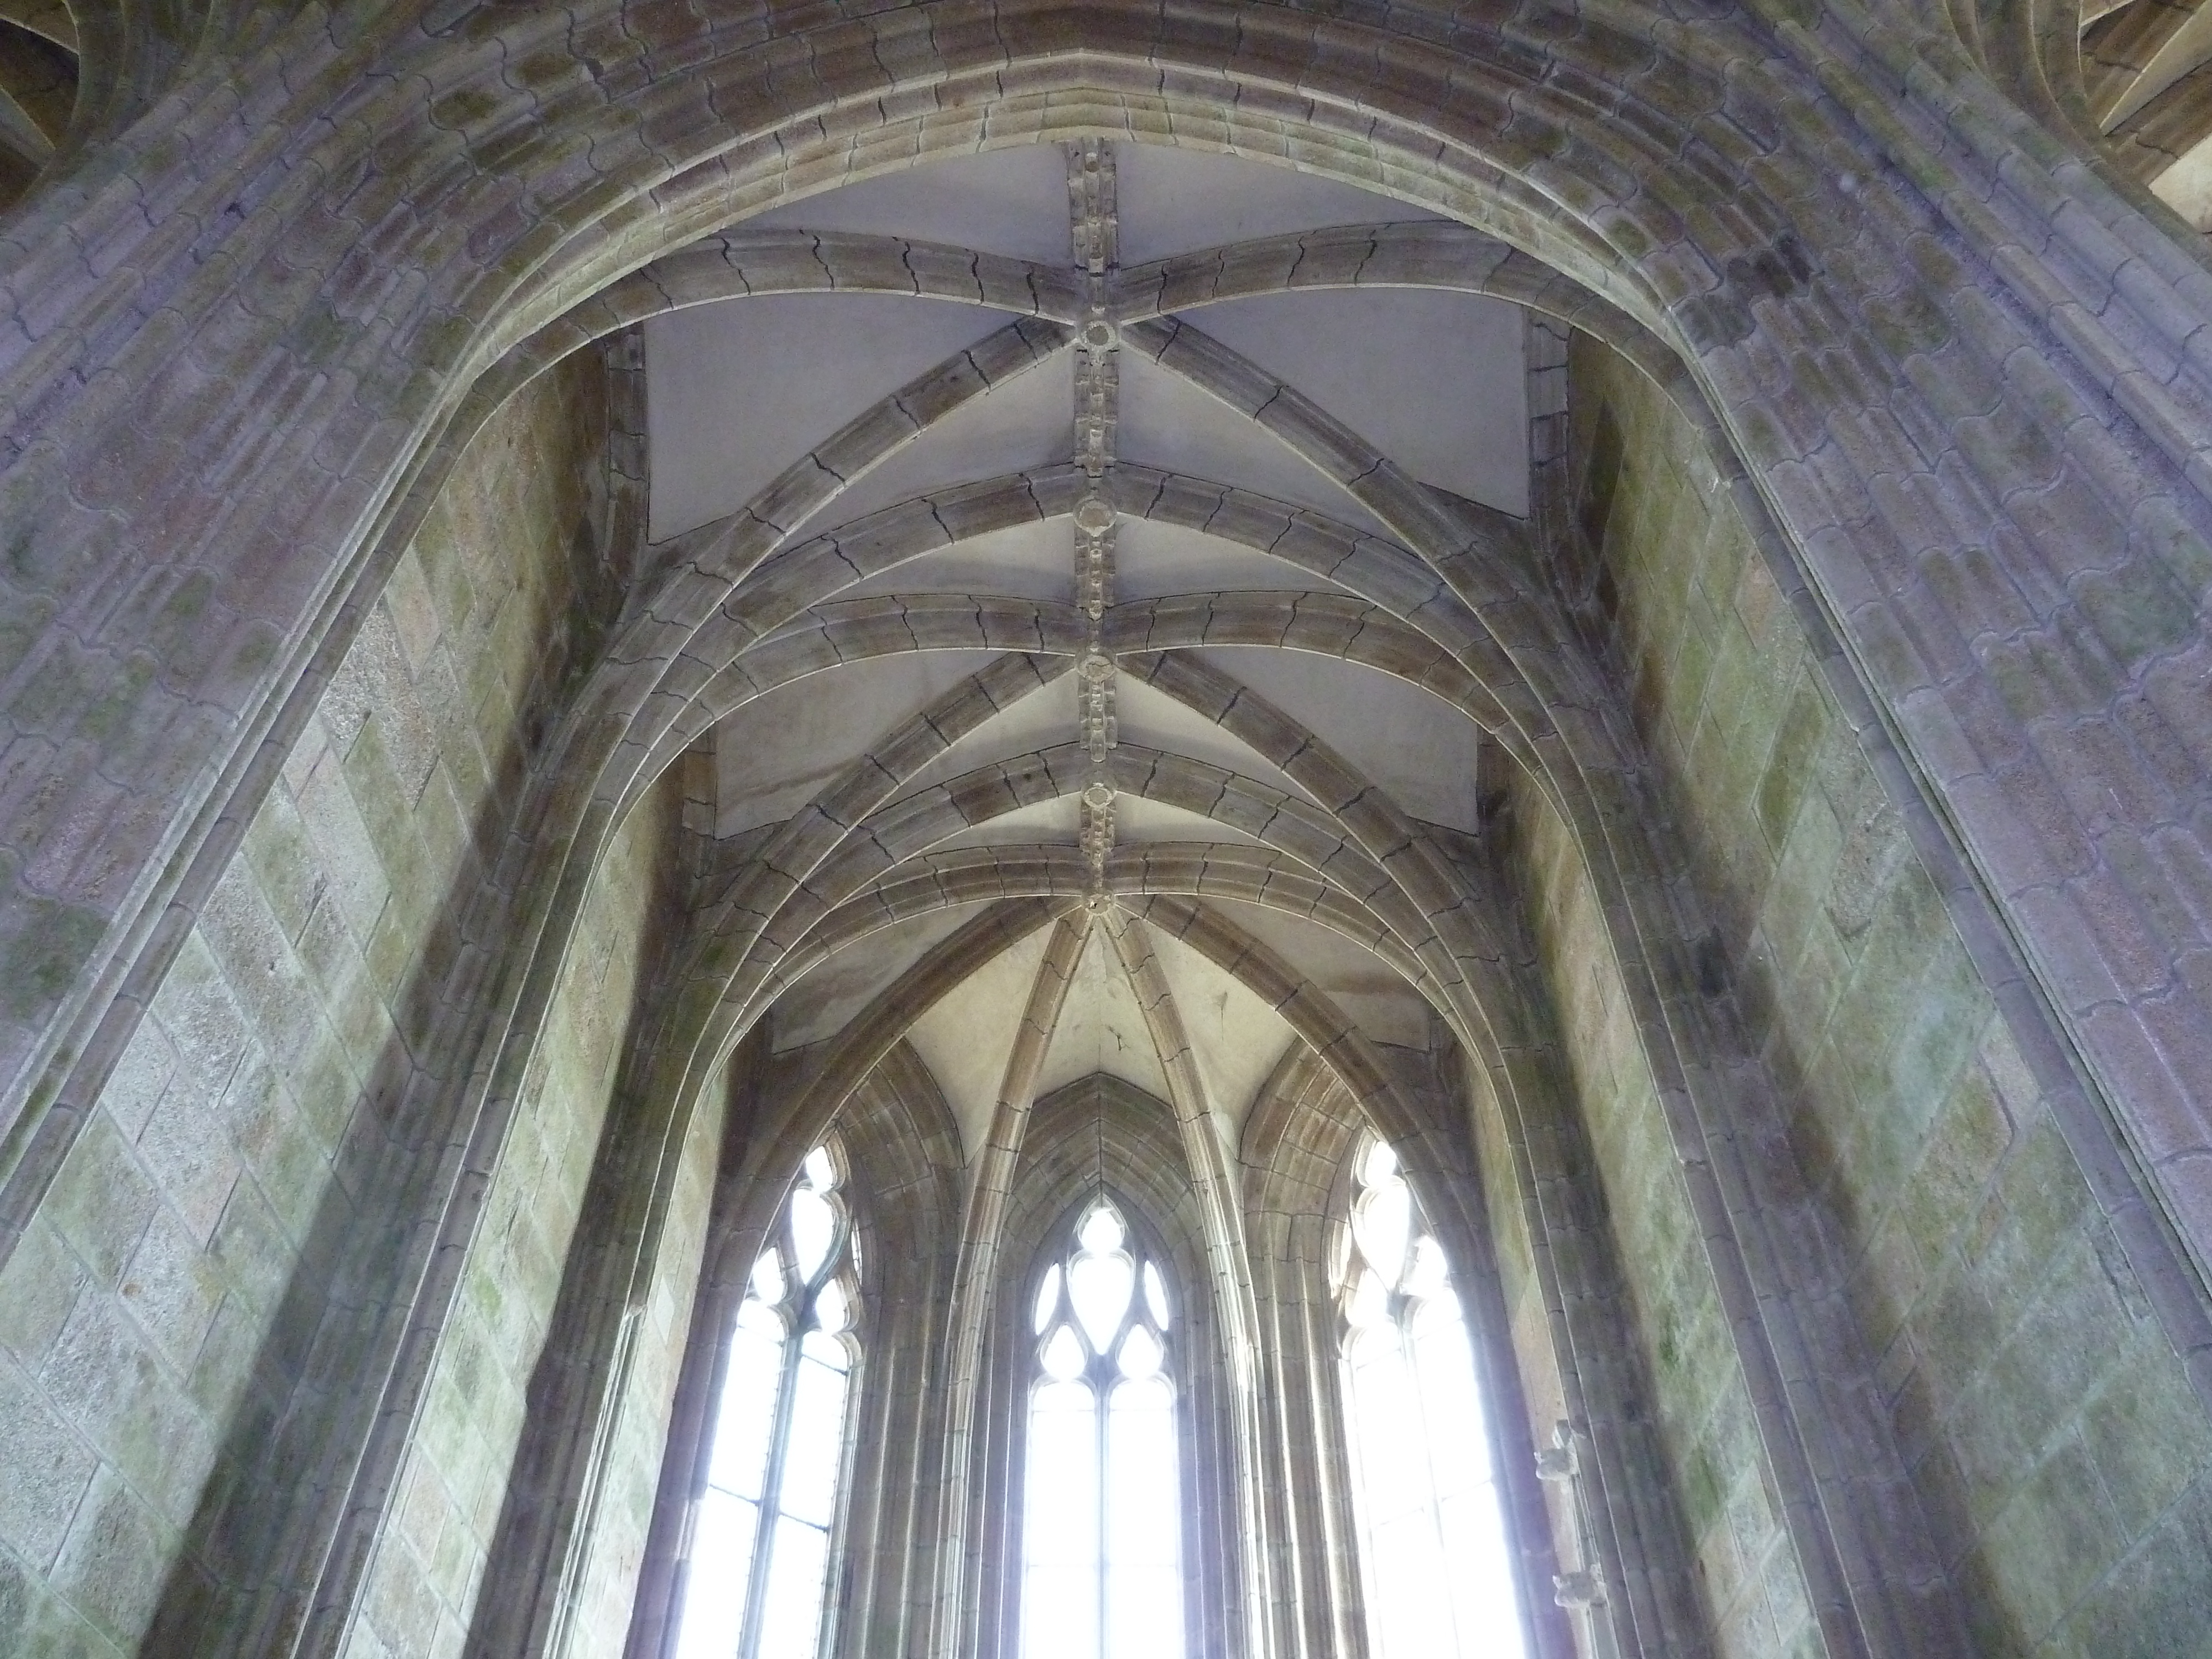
pixel 1080 501
pixel 1078 594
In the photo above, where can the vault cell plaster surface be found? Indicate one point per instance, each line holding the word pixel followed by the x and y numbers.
pixel 1037 721
pixel 777 753
pixel 1416 745
pixel 1168 422
pixel 1157 721
pixel 966 1036
pixel 1028 561
pixel 1175 200
pixel 1152 560
pixel 1051 822
pixel 1366 988
pixel 1017 427
pixel 1239 1039
pixel 1101 1029
pixel 1011 200
pixel 829 998
pixel 1436 381
pixel 2031 612
pixel 740 390
pixel 1137 821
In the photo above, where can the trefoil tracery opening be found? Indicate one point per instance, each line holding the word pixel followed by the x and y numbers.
pixel 1102 1508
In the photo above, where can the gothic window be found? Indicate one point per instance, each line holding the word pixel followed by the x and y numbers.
pixel 1102 1506
pixel 760 1552
pixel 1433 1555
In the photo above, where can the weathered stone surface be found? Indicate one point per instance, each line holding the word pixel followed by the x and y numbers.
pixel 177 1222
pixel 2011 1329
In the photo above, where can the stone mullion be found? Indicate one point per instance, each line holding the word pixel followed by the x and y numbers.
pixel 1385 1106
pixel 1182 1054
pixel 752 1187
pixel 1643 1548
pixel 544 1541
pixel 1633 907
pixel 63 256
pixel 888 1537
pixel 780 1133
pixel 1133 1147
pixel 736 1231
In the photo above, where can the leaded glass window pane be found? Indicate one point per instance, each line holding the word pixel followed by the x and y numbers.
pixel 1433 1550
pixel 760 1548
pixel 1102 1540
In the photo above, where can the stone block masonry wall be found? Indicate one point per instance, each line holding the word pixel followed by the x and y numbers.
pixel 139 1320
pixel 2065 1466
pixel 1749 1579
pixel 423 1583
pixel 600 1618
pixel 1529 1317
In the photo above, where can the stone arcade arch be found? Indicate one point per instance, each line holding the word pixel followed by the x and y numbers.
pixel 279 290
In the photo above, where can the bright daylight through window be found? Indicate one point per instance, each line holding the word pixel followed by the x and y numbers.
pixel 1102 1533
pixel 1433 1554
pixel 760 1556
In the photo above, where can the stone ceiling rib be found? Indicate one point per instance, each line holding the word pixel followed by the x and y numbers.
pixel 813 834
pixel 1210 1170
pixel 1432 253
pixel 992 1170
pixel 733 545
pixel 1198 871
pixel 892 838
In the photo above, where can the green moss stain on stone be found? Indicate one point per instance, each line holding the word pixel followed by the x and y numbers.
pixel 175 1223
pixel 1703 1408
pixel 46 955
pixel 2016 1352
pixel 477 1399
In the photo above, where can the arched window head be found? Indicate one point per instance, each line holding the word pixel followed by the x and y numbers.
pixel 1433 1558
pixel 1101 1534
pixel 759 1561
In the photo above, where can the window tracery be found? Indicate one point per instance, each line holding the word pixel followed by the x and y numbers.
pixel 759 1552
pixel 1102 1511
pixel 1435 1562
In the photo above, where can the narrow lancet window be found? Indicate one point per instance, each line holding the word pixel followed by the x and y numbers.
pixel 760 1550
pixel 1102 1506
pixel 1433 1555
